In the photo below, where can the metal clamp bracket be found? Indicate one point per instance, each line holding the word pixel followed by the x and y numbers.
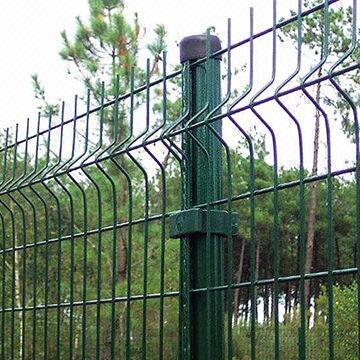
pixel 193 221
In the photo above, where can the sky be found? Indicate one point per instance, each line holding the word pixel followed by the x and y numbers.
pixel 30 42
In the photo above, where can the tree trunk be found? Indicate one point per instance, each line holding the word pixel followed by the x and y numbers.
pixel 295 302
pixel 286 309
pixel 316 295
pixel 238 280
pixel 257 272
pixel 247 306
pixel 313 199
pixel 122 263
pixel 287 301
pixel 18 287
pixel 257 259
pixel 355 255
pixel 17 297
pixel 123 234
pixel 291 300
pixel 122 255
pixel 338 255
pixel 106 353
pixel 272 307
pixel 266 302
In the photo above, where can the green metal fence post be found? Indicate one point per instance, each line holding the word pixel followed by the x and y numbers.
pixel 202 333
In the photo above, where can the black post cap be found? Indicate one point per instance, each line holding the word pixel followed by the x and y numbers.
pixel 194 47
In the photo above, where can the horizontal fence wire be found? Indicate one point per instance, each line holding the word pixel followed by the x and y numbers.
pixel 87 266
pixel 261 282
pixel 242 196
pixel 178 72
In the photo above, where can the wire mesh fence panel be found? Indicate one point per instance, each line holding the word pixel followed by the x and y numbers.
pixel 221 223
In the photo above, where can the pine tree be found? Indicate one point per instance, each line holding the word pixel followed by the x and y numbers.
pixel 104 49
pixel 340 20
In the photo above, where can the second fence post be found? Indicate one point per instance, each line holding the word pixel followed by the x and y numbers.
pixel 203 334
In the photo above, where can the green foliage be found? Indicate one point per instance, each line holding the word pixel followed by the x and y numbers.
pixel 346 319
pixel 346 331
pixel 104 49
pixel 45 108
pixel 340 38
pixel 344 220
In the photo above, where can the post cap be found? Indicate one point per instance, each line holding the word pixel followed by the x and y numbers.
pixel 194 47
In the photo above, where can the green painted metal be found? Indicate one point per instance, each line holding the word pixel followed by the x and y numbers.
pixel 88 207
pixel 192 221
pixel 203 184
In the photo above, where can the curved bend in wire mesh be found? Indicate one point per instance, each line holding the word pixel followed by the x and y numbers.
pixel 88 269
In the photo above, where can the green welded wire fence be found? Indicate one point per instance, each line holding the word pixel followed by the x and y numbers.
pixel 133 231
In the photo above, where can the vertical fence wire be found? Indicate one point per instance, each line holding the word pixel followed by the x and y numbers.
pixel 88 268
